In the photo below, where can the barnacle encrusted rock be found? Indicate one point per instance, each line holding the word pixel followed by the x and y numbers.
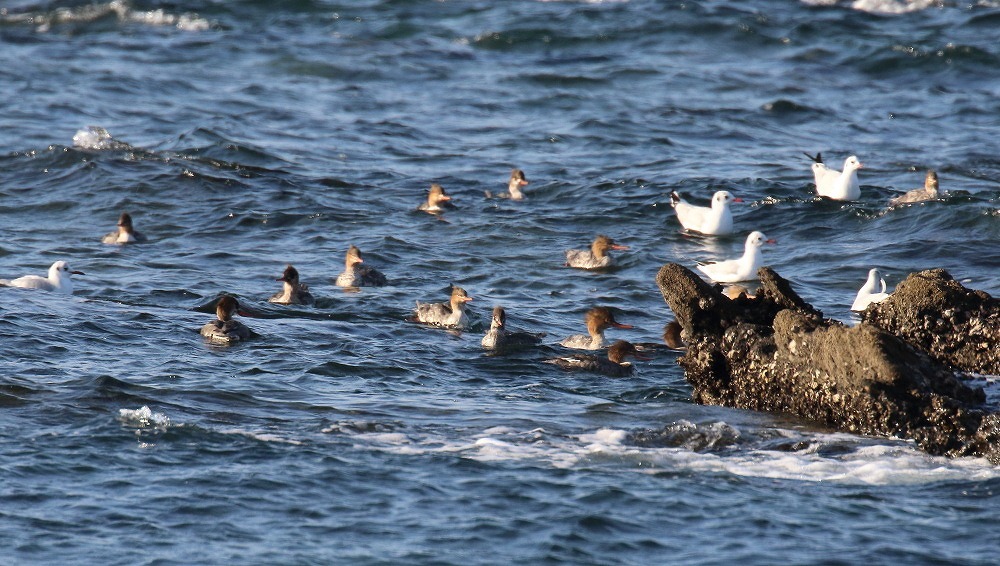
pixel 775 352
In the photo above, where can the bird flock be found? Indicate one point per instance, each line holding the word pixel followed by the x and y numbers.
pixel 713 220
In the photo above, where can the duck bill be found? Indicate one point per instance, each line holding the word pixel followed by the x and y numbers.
pixel 620 325
pixel 618 247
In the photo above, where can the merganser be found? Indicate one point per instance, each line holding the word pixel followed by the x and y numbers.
pixel 450 314
pixel 436 201
pixel 357 275
pixel 714 221
pixel 58 280
pixel 672 336
pixel 224 329
pixel 867 295
pixel 499 338
pixel 292 292
pixel 741 269
pixel 596 257
pixel 125 234
pixel 517 180
pixel 929 192
pixel 598 320
pixel 614 365
pixel 837 185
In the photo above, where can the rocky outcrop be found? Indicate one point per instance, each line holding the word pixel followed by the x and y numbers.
pixel 937 315
pixel 775 352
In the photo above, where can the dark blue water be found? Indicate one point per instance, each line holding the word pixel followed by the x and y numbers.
pixel 255 134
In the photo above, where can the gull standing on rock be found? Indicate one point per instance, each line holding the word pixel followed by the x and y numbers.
pixel 742 269
pixel 929 192
pixel 716 220
pixel 868 294
pixel 837 185
pixel 57 281
pixel 596 257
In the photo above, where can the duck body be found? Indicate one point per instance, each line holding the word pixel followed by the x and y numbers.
pixel 125 234
pixel 500 338
pixel 596 257
pixel 716 220
pixel 292 291
pixel 928 192
pixel 225 330
pixel 357 275
pixel 514 192
pixel 837 185
pixel 57 281
pixel 743 268
pixel 614 365
pixel 450 315
pixel 870 292
pixel 598 320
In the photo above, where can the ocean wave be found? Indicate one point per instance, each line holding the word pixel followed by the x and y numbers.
pixel 120 10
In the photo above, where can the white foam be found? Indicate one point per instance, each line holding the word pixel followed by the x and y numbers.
pixel 260 436
pixel 143 417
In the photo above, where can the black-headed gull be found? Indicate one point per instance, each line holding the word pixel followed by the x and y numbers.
pixel 58 279
pixel 125 234
pixel 743 268
pixel 500 338
pixel 598 319
pixel 292 291
pixel 224 329
pixel 596 257
pixel 450 314
pixel 716 220
pixel 357 275
pixel 929 192
pixel 614 365
pixel 517 180
pixel 837 185
pixel 868 294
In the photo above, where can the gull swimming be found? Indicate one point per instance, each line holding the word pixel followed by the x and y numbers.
pixel 57 281
pixel 714 220
pixel 837 185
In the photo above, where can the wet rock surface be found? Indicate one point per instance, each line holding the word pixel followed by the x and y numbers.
pixel 775 352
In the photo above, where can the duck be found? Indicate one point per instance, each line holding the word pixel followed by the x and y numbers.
pixel 357 275
pixel 928 192
pixel 436 201
pixel 125 234
pixel 672 336
pixel 597 319
pixel 614 365
pixel 716 220
pixel 517 180
pixel 451 314
pixel 596 257
pixel 499 338
pixel 743 268
pixel 837 185
pixel 292 292
pixel 58 280
pixel 867 294
pixel 224 329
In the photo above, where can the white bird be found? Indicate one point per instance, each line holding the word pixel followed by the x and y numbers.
pixel 837 185
pixel 867 294
pixel 58 280
pixel 741 269
pixel 716 220
pixel 929 192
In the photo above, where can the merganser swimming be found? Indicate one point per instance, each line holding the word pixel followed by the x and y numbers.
pixel 837 185
pixel 450 314
pixel 517 180
pixel 125 234
pixel 57 281
pixel 868 295
pixel 672 336
pixel 436 201
pixel 714 221
pixel 499 338
pixel 598 320
pixel 741 269
pixel 614 365
pixel 929 192
pixel 292 292
pixel 596 257
pixel 224 329
pixel 357 275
